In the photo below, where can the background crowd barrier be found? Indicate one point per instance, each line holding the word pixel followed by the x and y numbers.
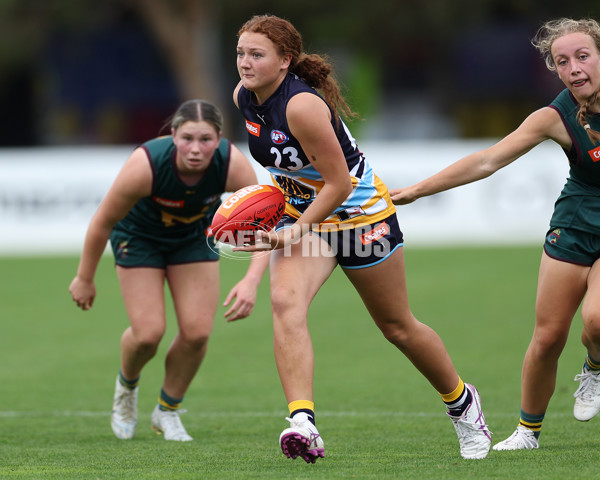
pixel 48 195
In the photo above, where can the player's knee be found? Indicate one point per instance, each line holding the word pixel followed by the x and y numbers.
pixel 400 329
pixel 195 338
pixel 283 301
pixel 549 342
pixel 591 324
pixel 148 339
pixel 395 334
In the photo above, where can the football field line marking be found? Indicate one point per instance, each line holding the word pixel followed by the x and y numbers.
pixel 208 414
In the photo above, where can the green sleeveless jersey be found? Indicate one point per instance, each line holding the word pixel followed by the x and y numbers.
pixel 578 205
pixel 175 210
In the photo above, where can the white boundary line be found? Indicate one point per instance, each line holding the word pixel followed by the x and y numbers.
pixel 207 414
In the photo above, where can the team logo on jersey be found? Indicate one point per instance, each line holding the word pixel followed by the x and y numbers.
pixel 122 249
pixel 253 128
pixel 278 137
pixel 378 232
pixel 211 199
pixel 554 236
pixel 595 154
pixel 296 193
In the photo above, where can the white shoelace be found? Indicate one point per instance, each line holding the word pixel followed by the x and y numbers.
pixel 170 421
pixel 588 387
pixel 522 437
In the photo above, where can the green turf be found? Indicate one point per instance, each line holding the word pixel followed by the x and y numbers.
pixel 379 418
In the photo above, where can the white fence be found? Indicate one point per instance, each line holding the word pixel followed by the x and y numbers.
pixel 48 195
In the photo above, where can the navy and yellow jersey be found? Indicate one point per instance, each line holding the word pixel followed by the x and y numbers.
pixel 273 146
pixel 173 209
pixel 578 205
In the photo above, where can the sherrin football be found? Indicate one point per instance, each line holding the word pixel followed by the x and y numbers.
pixel 255 207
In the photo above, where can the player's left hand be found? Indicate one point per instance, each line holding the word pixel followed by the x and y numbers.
pixel 271 240
pixel 403 196
pixel 245 298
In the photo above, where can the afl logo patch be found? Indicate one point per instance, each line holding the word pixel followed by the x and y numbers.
pixel 278 137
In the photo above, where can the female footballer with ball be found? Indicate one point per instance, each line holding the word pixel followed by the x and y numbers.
pixel 337 212
pixel 156 214
pixel 569 265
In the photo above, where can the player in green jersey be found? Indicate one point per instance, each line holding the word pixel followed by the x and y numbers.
pixel 569 270
pixel 156 214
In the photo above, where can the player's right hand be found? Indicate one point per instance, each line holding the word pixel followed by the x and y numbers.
pixel 83 293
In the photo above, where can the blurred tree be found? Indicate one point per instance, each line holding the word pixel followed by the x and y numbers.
pixel 187 31
pixel 83 65
pixel 22 30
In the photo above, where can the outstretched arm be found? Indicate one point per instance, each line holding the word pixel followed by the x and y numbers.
pixel 241 174
pixel 537 127
pixel 309 120
pixel 133 182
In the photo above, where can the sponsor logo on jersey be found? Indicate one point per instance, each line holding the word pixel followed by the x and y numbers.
pixel 378 232
pixel 278 137
pixel 165 202
pixel 595 154
pixel 253 128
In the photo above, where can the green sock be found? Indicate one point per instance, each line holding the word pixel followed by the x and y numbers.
pixel 532 422
pixel 591 364
pixel 130 384
pixel 168 403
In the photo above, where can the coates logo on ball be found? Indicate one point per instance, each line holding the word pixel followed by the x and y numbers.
pixel 252 208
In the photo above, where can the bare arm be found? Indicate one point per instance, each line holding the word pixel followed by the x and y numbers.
pixel 235 93
pixel 133 182
pixel 244 292
pixel 241 174
pixel 543 124
pixel 309 120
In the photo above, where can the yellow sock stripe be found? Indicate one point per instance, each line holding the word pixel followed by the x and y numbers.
pixel 591 364
pixel 301 404
pixel 168 406
pixel 533 426
pixel 454 394
pixel 129 384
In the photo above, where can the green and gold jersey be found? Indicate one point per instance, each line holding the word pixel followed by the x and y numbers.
pixel 578 205
pixel 174 209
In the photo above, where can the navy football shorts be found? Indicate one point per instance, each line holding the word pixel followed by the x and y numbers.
pixel 360 247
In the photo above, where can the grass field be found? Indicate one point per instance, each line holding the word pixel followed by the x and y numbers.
pixel 379 418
